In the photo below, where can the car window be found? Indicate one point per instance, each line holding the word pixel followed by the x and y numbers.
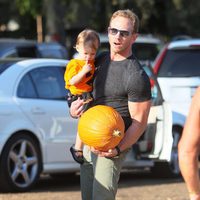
pixel 10 54
pixel 25 88
pixel 47 82
pixel 104 46
pixel 180 63
pixel 145 51
pixel 27 52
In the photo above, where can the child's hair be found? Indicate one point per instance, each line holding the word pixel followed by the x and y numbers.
pixel 88 37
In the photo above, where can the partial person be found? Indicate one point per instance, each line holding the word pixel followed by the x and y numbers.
pixel 78 77
pixel 121 83
pixel 189 148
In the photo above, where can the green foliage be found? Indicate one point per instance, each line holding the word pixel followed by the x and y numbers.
pixel 181 17
pixel 160 17
pixel 34 7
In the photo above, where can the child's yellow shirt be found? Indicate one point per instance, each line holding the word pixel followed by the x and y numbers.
pixel 85 85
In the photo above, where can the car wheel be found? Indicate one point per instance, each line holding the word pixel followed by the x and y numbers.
pixel 170 169
pixel 20 164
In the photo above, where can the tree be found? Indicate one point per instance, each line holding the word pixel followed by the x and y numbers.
pixel 62 20
pixel 34 7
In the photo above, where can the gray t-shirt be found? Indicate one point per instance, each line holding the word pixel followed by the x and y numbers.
pixel 117 82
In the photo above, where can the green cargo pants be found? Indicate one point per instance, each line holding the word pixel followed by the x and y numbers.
pixel 100 176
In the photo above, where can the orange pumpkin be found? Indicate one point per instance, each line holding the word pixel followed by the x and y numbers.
pixel 101 127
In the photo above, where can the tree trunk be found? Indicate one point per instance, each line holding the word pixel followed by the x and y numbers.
pixel 54 13
pixel 39 28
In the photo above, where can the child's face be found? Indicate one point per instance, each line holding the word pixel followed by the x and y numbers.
pixel 86 53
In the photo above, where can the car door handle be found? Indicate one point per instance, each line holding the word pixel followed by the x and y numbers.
pixel 38 110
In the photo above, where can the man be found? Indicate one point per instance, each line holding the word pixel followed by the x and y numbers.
pixel 122 84
pixel 189 147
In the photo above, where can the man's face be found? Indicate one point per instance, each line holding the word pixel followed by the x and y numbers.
pixel 121 36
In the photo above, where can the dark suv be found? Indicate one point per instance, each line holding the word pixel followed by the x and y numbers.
pixel 11 48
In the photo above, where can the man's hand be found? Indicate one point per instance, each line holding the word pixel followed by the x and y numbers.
pixel 109 154
pixel 76 108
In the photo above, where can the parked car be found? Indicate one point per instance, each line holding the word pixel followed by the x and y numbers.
pixel 37 130
pixel 11 48
pixel 177 67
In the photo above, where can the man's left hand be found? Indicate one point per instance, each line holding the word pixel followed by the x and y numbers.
pixel 109 154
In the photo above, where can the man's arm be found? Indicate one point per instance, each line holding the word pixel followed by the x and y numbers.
pixel 189 146
pixel 139 112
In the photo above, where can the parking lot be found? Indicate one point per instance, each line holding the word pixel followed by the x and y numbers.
pixel 132 186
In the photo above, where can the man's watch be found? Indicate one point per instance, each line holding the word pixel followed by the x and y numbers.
pixel 118 150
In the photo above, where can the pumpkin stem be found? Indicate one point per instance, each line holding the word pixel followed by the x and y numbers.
pixel 117 133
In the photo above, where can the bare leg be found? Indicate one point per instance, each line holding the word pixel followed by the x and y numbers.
pixel 79 144
pixel 189 149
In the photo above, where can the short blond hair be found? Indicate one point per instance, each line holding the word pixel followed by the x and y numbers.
pixel 88 37
pixel 130 15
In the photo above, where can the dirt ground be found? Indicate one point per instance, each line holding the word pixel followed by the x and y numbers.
pixel 132 186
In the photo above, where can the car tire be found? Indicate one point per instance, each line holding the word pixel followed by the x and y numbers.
pixel 170 169
pixel 20 164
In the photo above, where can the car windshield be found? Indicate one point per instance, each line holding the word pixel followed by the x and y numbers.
pixel 180 63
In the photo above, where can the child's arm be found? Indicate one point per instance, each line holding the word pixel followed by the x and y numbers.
pixel 78 77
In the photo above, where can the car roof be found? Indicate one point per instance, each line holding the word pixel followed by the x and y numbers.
pixel 190 43
pixel 25 63
pixel 148 39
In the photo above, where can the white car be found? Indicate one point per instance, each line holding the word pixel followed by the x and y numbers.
pixel 36 130
pixel 177 68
